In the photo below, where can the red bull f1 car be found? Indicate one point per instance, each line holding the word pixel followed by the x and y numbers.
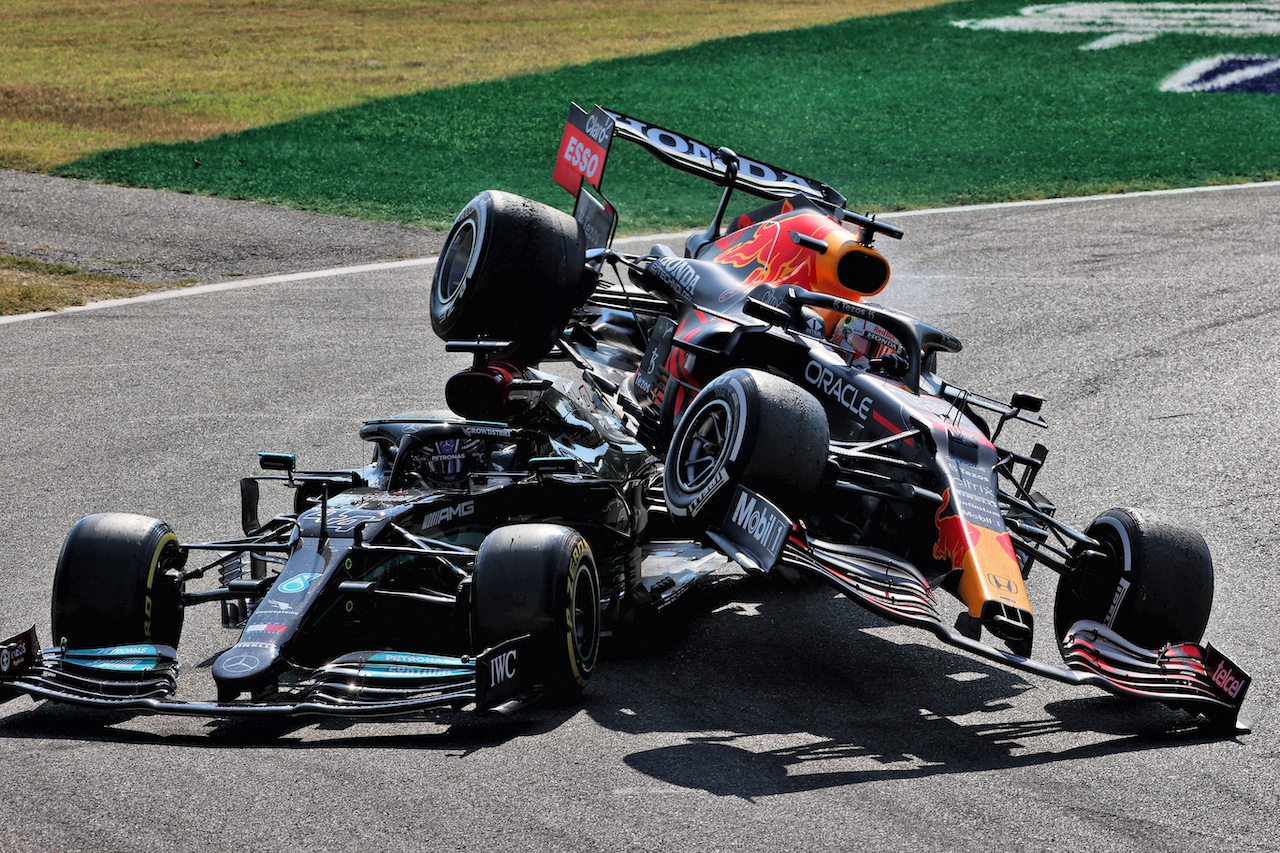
pixel 806 431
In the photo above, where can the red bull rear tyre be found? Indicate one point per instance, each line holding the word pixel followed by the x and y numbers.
pixel 511 269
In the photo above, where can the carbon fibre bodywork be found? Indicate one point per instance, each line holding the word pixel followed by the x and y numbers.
pixel 360 602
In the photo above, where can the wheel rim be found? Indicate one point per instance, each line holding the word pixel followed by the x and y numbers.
pixel 1073 603
pixel 456 263
pixel 584 613
pixel 704 447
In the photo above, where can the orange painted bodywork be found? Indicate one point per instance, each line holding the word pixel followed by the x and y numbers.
pixel 986 558
pixel 769 254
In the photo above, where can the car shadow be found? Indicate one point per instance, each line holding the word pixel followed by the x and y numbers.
pixel 770 691
pixel 766 689
pixel 444 730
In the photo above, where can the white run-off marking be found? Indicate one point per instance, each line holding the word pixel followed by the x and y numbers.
pixel 1206 75
pixel 219 287
pixel 1127 23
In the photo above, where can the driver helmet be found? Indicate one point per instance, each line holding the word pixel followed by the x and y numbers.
pixel 448 460
pixel 860 340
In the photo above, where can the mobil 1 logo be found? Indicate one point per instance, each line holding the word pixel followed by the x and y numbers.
pixel 756 526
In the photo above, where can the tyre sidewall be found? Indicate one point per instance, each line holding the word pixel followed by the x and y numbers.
pixel 777 445
pixel 475 217
pixel 528 579
pixel 1163 589
pixel 707 496
pixel 576 654
pixel 524 276
pixel 112 585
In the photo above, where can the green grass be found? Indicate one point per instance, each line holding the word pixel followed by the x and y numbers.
pixel 901 111
pixel 27 285
pixel 80 76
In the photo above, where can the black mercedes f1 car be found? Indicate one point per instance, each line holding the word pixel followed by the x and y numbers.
pixel 471 563
pixel 808 432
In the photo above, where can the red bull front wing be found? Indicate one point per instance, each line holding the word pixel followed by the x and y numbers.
pixel 1199 678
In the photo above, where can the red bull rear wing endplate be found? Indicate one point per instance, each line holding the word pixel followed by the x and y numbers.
pixel 144 678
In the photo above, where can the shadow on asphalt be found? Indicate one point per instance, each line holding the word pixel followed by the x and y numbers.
pixel 762 665
pixel 739 662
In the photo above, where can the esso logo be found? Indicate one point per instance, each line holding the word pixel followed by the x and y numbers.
pixel 585 161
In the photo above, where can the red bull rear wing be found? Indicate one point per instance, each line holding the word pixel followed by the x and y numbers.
pixel 700 159
pixel 584 150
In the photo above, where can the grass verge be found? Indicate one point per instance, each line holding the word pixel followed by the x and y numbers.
pixel 79 76
pixel 27 286
pixel 900 111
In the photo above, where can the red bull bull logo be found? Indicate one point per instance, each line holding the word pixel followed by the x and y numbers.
pixel 957 537
pixel 986 556
pixel 769 254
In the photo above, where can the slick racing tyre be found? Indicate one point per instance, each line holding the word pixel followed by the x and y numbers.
pixel 511 269
pixel 751 428
pixel 1156 586
pixel 118 582
pixel 540 579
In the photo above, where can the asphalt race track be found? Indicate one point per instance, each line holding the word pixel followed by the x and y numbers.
pixel 758 717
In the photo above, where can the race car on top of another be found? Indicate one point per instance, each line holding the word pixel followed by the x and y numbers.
pixel 808 432
pixel 739 397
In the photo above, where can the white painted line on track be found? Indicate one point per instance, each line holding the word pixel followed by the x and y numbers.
pixel 1002 205
pixel 287 278
pixel 218 287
